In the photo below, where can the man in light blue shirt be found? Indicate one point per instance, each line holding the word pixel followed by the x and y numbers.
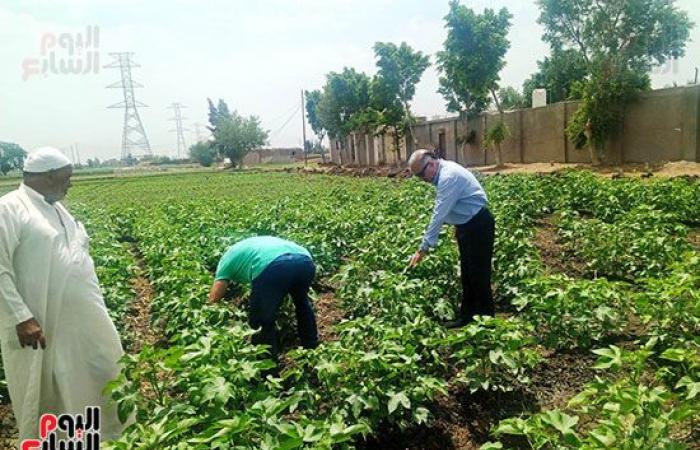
pixel 460 201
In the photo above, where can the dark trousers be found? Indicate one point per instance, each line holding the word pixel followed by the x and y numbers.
pixel 288 274
pixel 475 240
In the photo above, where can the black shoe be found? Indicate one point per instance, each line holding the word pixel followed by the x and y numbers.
pixel 459 323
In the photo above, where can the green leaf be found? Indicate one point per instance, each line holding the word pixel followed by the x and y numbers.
pixel 693 387
pixel 396 399
pixel 513 426
pixel 421 415
pixel 562 422
pixel 674 354
pixel 219 389
pixel 610 357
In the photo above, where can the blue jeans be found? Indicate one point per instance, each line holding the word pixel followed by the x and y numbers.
pixel 288 274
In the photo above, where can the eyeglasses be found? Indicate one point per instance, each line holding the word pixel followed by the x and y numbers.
pixel 422 171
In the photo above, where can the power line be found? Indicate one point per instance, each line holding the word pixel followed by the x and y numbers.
pixel 284 114
pixel 289 119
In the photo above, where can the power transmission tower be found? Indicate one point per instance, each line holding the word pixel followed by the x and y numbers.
pixel 76 154
pixel 181 146
pixel 134 136
pixel 198 132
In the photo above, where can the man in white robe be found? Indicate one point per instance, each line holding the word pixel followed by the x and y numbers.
pixel 59 346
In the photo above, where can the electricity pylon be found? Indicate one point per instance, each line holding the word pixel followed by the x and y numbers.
pixel 181 146
pixel 134 135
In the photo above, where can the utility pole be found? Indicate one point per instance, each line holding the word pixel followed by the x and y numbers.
pixel 303 127
pixel 134 135
pixel 696 76
pixel 181 146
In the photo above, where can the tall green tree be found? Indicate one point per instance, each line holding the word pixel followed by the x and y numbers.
pixel 620 42
pixel 387 114
pixel 313 99
pixel 344 95
pixel 558 74
pixel 236 136
pixel 217 112
pixel 472 57
pixel 400 70
pixel 11 157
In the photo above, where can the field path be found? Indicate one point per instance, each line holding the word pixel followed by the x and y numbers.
pixel 329 313
pixel 552 251
pixel 138 321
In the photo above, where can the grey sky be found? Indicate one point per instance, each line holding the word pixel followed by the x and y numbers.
pixel 255 55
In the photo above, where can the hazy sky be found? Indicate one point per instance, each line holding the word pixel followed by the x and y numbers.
pixel 256 55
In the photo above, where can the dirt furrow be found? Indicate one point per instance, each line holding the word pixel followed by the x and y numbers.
pixel 138 322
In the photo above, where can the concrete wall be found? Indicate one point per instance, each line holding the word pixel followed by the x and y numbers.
pixel 273 155
pixel 662 125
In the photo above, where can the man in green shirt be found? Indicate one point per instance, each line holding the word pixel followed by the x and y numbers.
pixel 274 267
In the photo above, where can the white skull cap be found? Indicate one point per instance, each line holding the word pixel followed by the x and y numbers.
pixel 45 159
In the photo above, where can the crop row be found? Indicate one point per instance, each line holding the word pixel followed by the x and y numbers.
pixel 637 305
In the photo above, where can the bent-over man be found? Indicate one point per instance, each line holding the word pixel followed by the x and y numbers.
pixel 59 346
pixel 460 201
pixel 274 267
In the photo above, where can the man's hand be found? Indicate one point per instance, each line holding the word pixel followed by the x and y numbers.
pixel 30 333
pixel 416 258
pixel 218 290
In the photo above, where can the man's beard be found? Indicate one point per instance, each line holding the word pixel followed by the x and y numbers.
pixel 54 197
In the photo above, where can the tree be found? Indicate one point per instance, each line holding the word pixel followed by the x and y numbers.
pixel 387 115
pixel 344 95
pixel 203 153
pixel 472 58
pixel 11 157
pixel 94 163
pixel 511 98
pixel 236 136
pixel 604 96
pixel 217 113
pixel 313 98
pixel 400 70
pixel 620 42
pixel 557 74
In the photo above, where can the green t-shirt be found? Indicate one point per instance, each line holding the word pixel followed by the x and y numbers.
pixel 246 259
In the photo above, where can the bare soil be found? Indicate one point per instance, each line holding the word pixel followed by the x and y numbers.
pixel 138 322
pixel 552 251
pixel 329 313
